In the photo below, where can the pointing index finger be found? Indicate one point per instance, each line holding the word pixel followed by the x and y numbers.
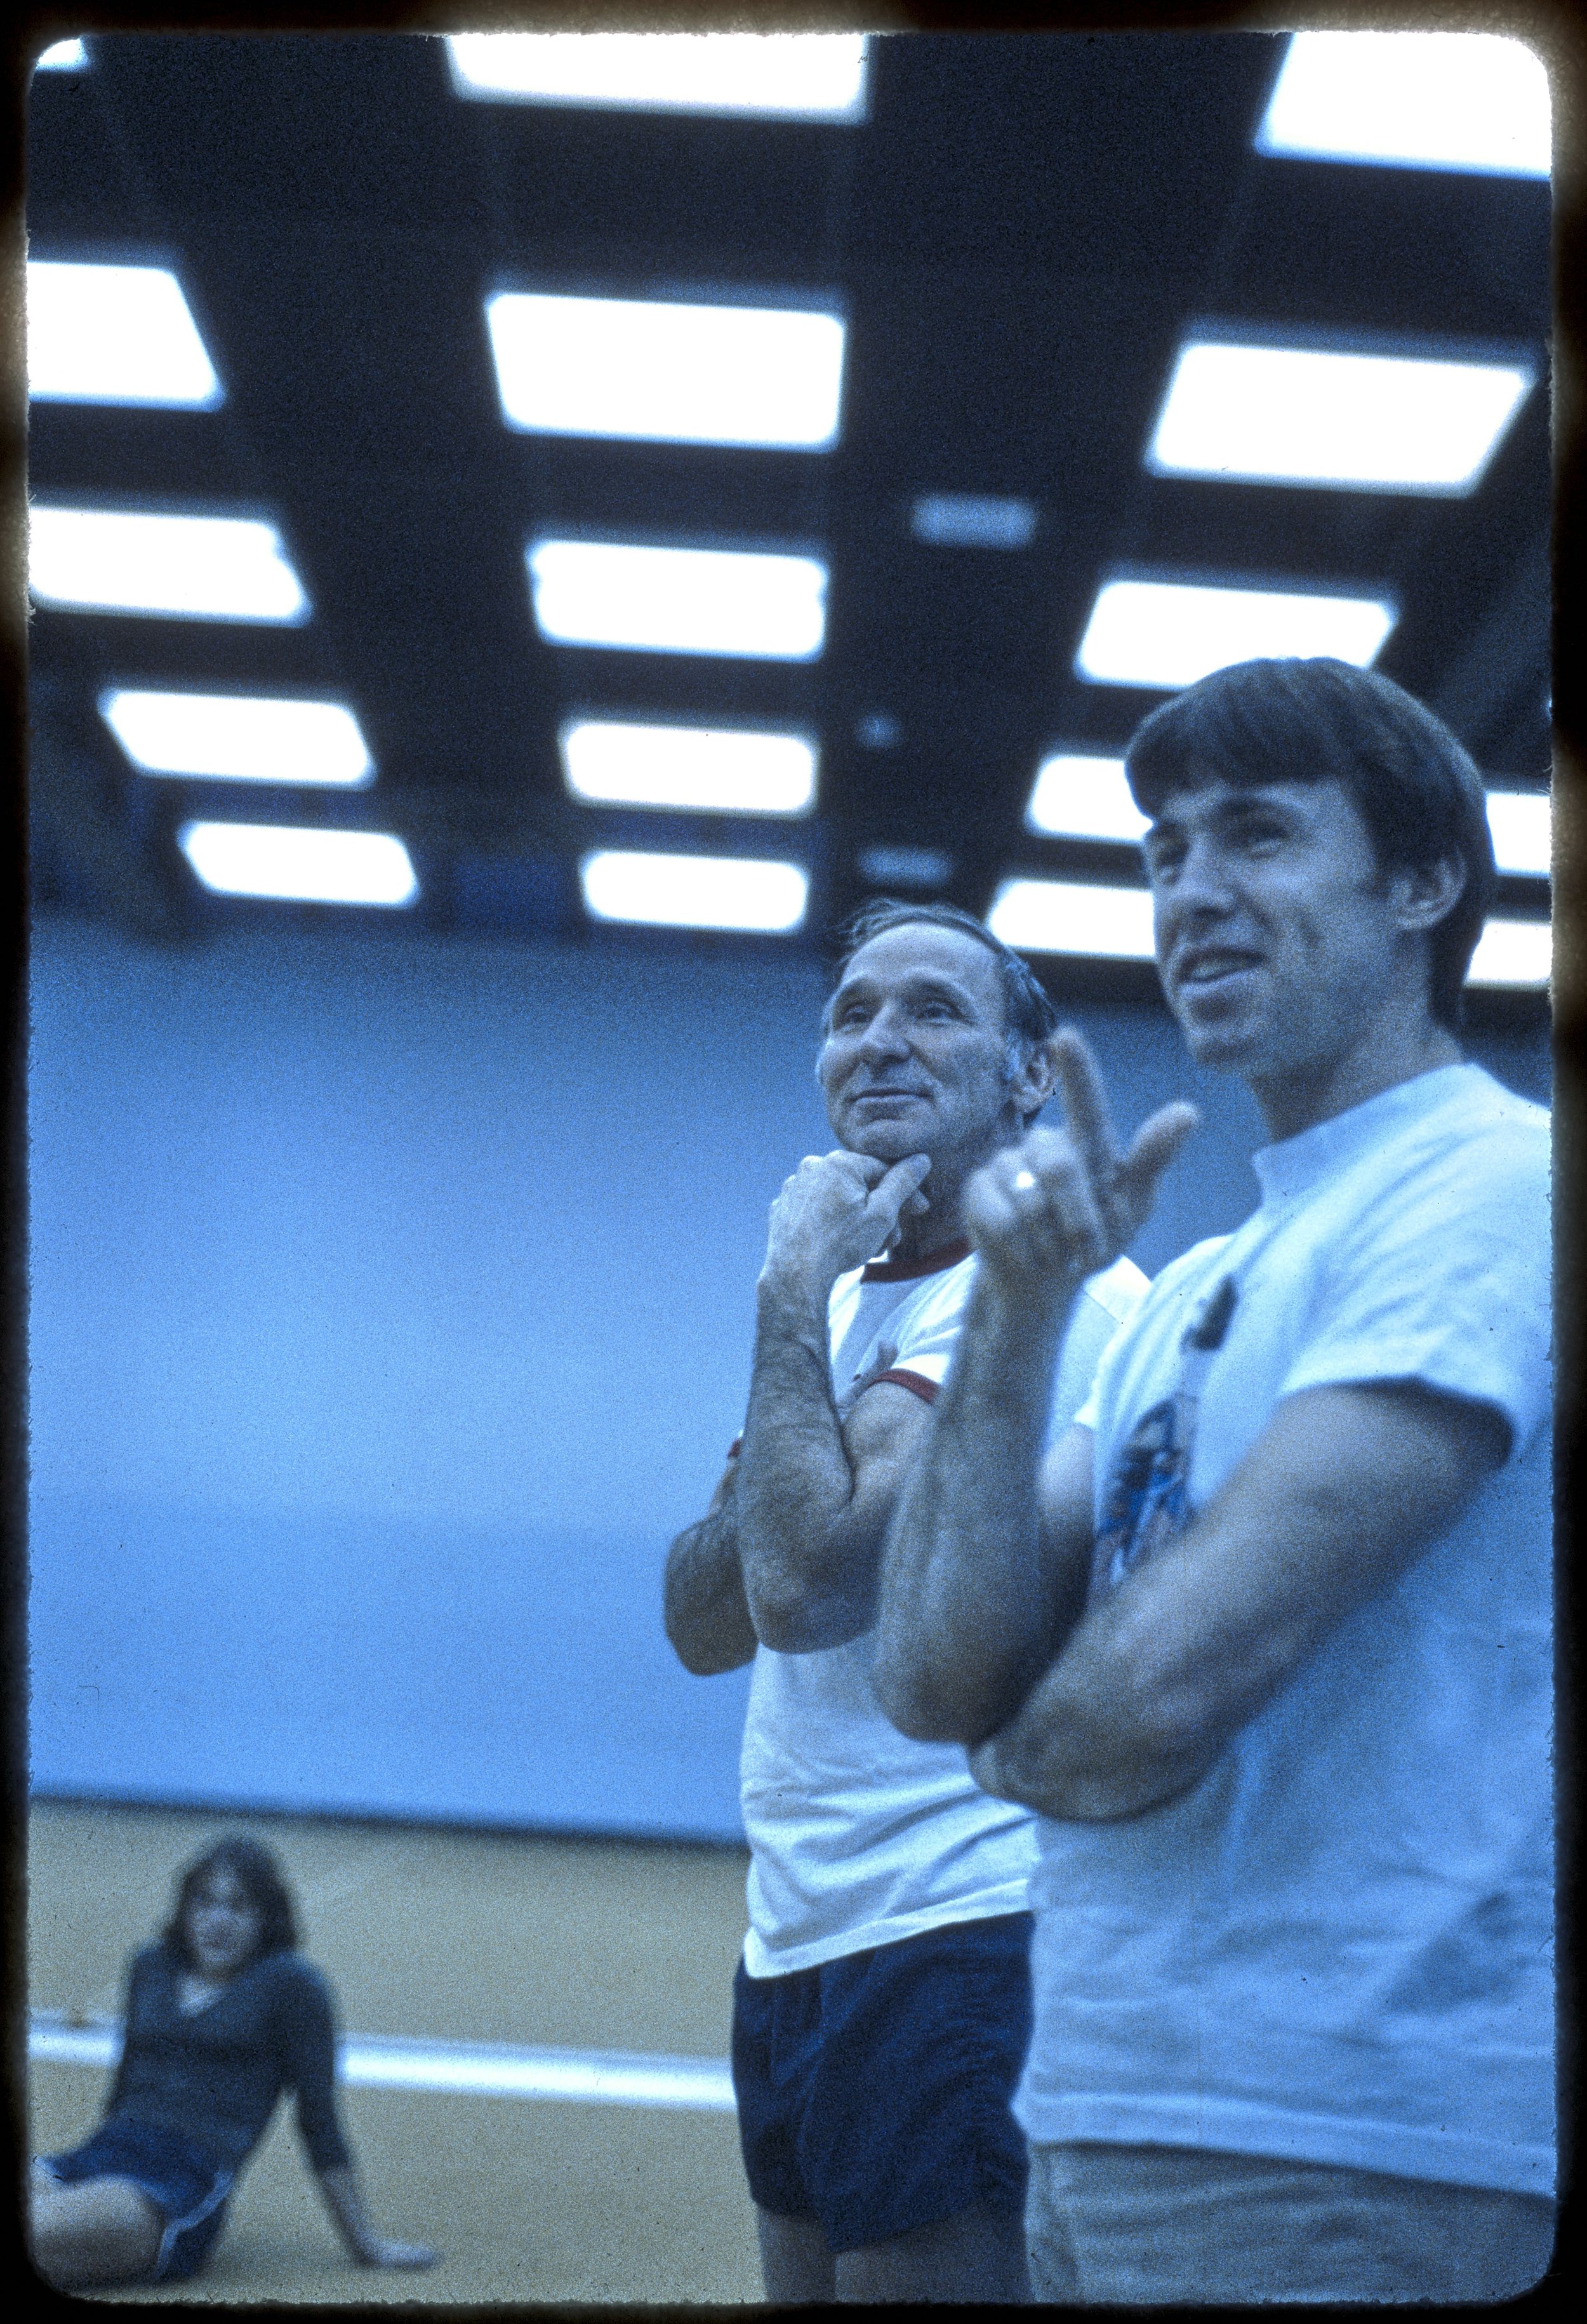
pixel 1086 1107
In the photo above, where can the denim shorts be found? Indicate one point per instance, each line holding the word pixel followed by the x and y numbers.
pixel 184 2186
pixel 874 2090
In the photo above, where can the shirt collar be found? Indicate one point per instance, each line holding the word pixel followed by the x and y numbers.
pixel 903 1270
pixel 1295 1165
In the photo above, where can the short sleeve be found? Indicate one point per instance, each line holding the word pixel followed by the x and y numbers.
pixel 1448 1286
pixel 309 2037
pixel 930 1333
pixel 1144 1297
pixel 1099 1314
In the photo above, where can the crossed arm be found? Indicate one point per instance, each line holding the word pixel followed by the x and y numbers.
pixel 1104 1712
pixel 985 1634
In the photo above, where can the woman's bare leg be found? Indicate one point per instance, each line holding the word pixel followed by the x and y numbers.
pixel 100 2231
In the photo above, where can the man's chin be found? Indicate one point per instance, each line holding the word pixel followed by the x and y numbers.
pixel 1228 1049
pixel 885 1141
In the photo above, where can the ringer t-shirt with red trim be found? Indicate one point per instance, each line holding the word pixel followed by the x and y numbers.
pixel 858 1835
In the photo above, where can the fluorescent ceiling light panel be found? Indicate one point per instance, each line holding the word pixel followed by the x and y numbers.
pixel 973 521
pixel 1169 633
pixel 794 75
pixel 1303 416
pixel 713 770
pixel 1068 916
pixel 1420 100
pixel 668 374
pixel 704 601
pixel 238 738
pixel 1519 822
pixel 1517 953
pixel 694 891
pixel 1081 797
pixel 215 569
pixel 301 866
pixel 63 56
pixel 114 335
pixel 906 867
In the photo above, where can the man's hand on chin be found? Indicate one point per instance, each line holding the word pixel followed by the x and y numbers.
pixel 837 1210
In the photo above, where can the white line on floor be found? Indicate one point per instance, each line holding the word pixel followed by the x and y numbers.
pixel 481 2069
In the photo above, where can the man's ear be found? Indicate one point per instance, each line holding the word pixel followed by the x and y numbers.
pixel 1037 1078
pixel 1427 893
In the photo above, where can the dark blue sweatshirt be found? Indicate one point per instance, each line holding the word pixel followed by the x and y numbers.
pixel 216 2074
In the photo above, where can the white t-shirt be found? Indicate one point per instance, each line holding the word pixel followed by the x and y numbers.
pixel 1336 1948
pixel 860 1837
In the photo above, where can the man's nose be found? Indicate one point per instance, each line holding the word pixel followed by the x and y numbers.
pixel 1202 884
pixel 886 1035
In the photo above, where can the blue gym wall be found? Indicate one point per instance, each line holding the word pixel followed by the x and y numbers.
pixel 391 1311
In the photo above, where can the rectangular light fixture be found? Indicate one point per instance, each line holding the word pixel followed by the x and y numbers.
pixel 706 770
pixel 1314 416
pixel 1078 797
pixel 114 335
pixel 1069 916
pixel 1514 952
pixel 215 569
pixel 1417 100
pixel 1169 633
pixel 697 601
pixel 1520 823
pixel 667 373
pixel 783 76
pixel 62 56
pixel 973 521
pixel 299 866
pixel 1082 797
pixel 887 865
pixel 239 738
pixel 694 891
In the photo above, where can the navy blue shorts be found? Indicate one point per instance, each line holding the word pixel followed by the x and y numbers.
pixel 183 2185
pixel 874 2090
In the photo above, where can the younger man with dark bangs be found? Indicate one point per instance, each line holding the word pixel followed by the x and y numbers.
pixel 1265 1641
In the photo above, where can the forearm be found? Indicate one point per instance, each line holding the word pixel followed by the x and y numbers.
pixel 1345 1488
pixel 707 1613
pixel 806 1582
pixel 1095 1739
pixel 967 1605
pixel 344 2200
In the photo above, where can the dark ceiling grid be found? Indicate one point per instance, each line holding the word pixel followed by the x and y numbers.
pixel 1019 235
pixel 652 184
pixel 1364 540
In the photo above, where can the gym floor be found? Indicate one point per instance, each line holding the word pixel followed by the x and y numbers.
pixel 447 1936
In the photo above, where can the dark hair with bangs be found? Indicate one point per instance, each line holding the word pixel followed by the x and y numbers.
pixel 1417 790
pixel 262 1880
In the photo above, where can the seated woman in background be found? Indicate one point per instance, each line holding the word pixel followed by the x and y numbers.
pixel 222 2016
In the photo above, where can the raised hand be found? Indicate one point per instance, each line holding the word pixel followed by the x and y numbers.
pixel 1067 1203
pixel 835 1213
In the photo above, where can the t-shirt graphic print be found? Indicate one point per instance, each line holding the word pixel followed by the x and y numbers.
pixel 1147 1502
